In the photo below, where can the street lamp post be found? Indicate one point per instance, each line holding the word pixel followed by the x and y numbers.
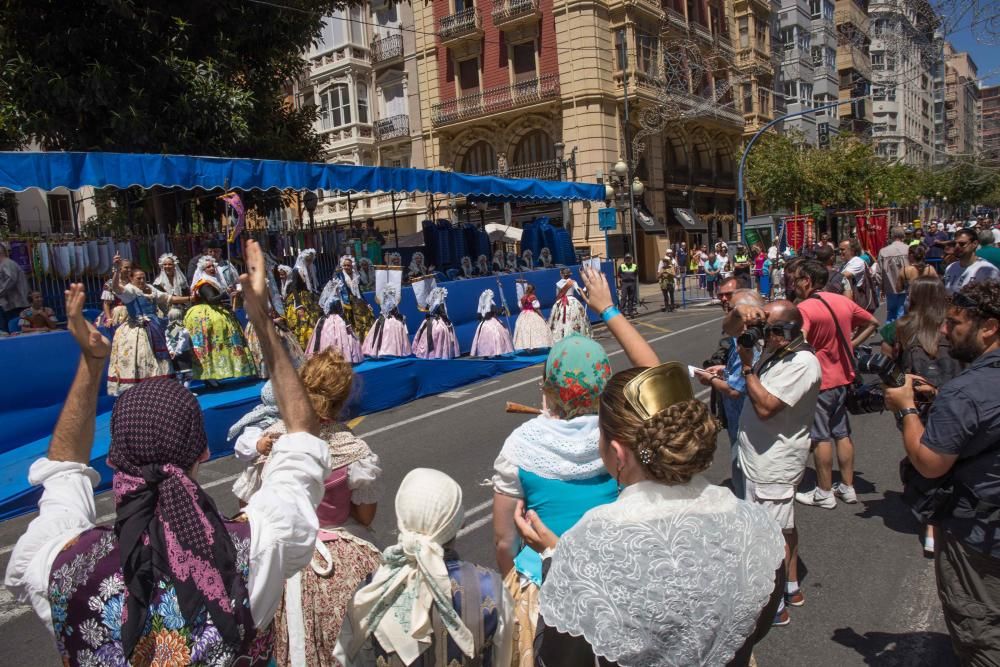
pixel 616 189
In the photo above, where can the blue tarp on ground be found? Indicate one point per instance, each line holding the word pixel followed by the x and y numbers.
pixel 50 170
pixel 39 369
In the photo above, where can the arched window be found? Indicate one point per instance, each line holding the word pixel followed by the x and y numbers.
pixel 702 159
pixel 724 161
pixel 675 162
pixel 536 146
pixel 479 158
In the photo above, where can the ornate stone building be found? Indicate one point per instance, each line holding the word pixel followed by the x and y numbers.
pixel 537 88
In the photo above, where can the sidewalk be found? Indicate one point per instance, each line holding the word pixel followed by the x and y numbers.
pixel 651 293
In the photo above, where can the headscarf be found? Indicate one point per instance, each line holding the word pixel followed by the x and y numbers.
pixel 545 257
pixel 364 271
pixel 576 372
pixel 201 276
pixel 485 303
pixel 166 525
pixel 417 267
pixel 307 270
pixel 394 259
pixel 528 259
pixel 512 261
pixel 286 281
pixel 396 606
pixel 498 259
pixel 388 299
pixel 437 298
pixel 484 265
pixel 262 416
pixel 180 281
pixel 466 267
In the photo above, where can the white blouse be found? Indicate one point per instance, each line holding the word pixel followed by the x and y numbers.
pixel 282 516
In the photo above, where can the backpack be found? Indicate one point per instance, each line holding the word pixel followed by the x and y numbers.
pixel 864 293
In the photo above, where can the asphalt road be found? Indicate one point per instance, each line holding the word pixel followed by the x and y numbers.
pixel 870 593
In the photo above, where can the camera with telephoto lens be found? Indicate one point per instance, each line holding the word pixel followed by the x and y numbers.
pixel 870 398
pixel 721 354
pixel 753 334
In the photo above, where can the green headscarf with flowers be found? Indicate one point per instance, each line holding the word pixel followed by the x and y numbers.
pixel 576 372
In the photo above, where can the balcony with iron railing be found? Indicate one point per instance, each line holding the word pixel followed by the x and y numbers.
pixel 496 100
pixel 546 170
pixel 676 18
pixel 461 26
pixel 651 8
pixel 393 127
pixel 701 31
pixel 386 50
pixel 509 14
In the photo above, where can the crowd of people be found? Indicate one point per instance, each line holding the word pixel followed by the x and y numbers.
pixel 611 547
pixel 184 325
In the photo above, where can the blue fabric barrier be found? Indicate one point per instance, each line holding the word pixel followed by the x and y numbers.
pixel 380 384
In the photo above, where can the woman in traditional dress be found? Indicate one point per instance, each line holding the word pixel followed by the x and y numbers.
pixel 287 337
pixel 483 267
pixel 417 268
pixel 113 312
pixel 179 347
pixel 466 270
pixel 676 571
pixel 37 317
pixel 301 310
pixel 492 338
pixel 171 281
pixel 545 258
pixel 312 609
pixel 531 332
pixel 332 330
pixel 283 279
pixel 499 264
pixel 436 337
pixel 220 349
pixel 568 314
pixel 513 265
pixel 389 337
pixel 139 348
pixel 357 313
pixel 527 260
pixel 424 605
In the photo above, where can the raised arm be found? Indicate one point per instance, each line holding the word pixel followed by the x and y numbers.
pixel 293 401
pixel 73 436
pixel 598 297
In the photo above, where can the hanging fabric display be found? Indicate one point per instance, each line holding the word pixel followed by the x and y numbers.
pixel 61 260
pixel 93 256
pixel 43 260
pixel 80 251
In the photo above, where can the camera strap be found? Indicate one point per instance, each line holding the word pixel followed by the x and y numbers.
pixel 840 334
pixel 798 344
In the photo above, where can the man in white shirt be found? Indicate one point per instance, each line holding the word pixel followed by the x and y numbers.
pixel 773 440
pixel 170 548
pixel 968 268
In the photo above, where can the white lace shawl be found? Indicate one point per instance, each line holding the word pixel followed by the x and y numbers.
pixel 331 293
pixel 664 576
pixel 556 448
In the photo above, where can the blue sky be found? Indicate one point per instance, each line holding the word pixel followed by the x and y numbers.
pixel 986 54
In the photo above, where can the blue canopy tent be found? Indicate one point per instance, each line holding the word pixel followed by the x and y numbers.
pixel 47 360
pixel 22 170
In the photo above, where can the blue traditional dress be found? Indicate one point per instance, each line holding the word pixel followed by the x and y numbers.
pixel 139 348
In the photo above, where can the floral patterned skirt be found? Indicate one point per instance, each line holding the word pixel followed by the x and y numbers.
pixel 301 314
pixel 324 601
pixel 525 596
pixel 220 350
pixel 568 316
pixel 288 340
pixel 133 359
pixel 359 315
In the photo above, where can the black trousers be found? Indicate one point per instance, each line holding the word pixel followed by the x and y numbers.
pixel 628 296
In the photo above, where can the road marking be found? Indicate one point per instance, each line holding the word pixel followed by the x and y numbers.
pixel 453 394
pixel 354 423
pixel 441 410
pixel 652 326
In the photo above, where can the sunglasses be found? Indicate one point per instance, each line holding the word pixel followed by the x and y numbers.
pixel 962 244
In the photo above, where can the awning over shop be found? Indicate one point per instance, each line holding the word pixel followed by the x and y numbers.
pixel 647 222
pixel 763 220
pixel 49 170
pixel 689 220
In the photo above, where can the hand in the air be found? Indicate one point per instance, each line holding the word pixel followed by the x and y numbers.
pixel 92 344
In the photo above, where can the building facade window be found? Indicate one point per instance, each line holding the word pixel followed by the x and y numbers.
pixel 335 107
pixel 523 59
pixel 479 158
pixel 536 146
pixel 468 76
pixel 362 92
pixel 60 214
pixel 342 28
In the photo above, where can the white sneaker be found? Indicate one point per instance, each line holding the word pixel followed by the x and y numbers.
pixel 845 493
pixel 810 498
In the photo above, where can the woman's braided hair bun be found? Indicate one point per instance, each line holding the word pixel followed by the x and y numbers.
pixel 328 378
pixel 673 445
pixel 682 440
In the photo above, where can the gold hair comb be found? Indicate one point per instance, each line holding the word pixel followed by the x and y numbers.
pixel 656 389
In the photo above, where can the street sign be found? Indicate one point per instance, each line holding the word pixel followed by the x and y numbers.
pixel 824 134
pixel 607 219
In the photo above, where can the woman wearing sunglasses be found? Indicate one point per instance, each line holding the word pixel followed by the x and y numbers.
pixel 676 571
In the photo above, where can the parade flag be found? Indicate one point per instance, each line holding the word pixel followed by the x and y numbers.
pixel 422 288
pixel 388 275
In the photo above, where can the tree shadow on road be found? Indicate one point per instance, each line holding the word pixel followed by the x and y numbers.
pixel 902 649
pixel 893 512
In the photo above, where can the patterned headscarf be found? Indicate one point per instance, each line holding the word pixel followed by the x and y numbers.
pixel 166 525
pixel 576 372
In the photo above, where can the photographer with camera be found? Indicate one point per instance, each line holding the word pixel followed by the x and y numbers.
pixel 725 377
pixel 959 451
pixel 828 323
pixel 773 436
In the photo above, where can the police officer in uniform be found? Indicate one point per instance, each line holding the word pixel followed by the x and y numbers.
pixel 628 284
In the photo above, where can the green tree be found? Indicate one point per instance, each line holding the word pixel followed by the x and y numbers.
pixel 776 172
pixel 199 77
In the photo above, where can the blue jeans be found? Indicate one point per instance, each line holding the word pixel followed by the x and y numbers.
pixel 895 306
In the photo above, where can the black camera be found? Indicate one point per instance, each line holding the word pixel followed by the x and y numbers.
pixel 753 334
pixel 870 398
pixel 721 355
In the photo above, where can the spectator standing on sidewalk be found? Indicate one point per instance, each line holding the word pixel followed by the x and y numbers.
pixel 960 446
pixel 13 289
pixel 968 268
pixel 666 275
pixel 934 244
pixel 892 261
pixel 782 386
pixel 987 248
pixel 713 270
pixel 829 321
